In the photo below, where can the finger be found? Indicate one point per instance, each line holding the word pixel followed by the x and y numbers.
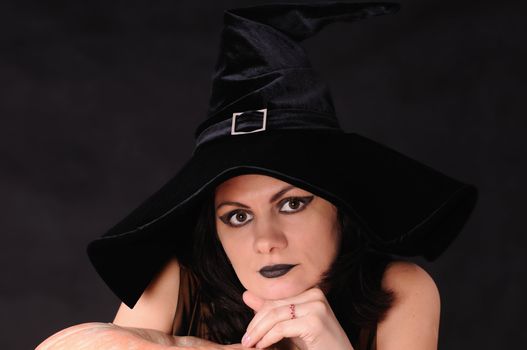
pixel 272 318
pixel 285 329
pixel 252 300
pixel 311 294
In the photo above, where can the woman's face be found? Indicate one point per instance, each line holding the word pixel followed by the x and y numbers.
pixel 262 221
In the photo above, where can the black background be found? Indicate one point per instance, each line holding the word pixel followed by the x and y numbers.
pixel 99 101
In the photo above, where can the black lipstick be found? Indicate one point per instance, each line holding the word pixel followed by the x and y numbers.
pixel 273 271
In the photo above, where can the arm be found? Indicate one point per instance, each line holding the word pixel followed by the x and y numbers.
pixel 148 325
pixel 413 321
pixel 107 336
pixel 157 306
pixel 98 335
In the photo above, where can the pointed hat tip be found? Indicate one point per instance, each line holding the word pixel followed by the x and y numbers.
pixel 303 20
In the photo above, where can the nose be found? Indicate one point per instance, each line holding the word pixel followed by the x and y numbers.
pixel 269 236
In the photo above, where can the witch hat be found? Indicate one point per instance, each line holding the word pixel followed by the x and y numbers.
pixel 271 114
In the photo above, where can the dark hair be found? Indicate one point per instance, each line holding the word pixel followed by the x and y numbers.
pixel 354 279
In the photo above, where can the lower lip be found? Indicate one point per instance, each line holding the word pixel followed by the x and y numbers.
pixel 275 273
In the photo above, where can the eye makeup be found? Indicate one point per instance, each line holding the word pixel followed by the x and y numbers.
pixel 304 202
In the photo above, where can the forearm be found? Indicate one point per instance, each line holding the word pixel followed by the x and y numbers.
pixel 97 335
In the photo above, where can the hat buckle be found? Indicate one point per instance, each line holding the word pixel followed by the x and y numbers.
pixel 235 115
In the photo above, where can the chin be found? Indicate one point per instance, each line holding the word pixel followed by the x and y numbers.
pixel 279 289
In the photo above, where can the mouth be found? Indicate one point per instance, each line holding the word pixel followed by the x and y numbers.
pixel 273 271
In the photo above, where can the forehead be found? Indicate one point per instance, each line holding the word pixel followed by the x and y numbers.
pixel 249 184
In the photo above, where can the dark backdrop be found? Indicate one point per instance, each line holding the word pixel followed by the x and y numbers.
pixel 99 100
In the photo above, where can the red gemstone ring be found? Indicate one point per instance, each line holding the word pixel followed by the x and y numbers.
pixel 292 309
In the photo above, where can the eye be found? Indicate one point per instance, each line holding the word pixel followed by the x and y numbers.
pixel 236 218
pixel 294 204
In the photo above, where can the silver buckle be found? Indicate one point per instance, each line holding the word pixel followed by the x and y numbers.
pixel 233 127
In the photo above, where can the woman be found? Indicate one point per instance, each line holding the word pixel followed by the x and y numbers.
pixel 260 222
pixel 280 229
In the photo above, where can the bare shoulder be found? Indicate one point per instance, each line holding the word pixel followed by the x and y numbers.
pixel 405 277
pixel 413 320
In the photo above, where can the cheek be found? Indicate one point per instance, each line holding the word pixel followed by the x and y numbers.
pixel 233 246
pixel 319 238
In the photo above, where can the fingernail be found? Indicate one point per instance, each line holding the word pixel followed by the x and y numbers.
pixel 246 339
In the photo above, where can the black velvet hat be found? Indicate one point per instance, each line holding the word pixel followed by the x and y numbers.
pixel 270 114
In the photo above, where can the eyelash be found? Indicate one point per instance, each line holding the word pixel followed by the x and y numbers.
pixel 303 200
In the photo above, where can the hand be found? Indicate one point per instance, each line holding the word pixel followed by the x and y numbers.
pixel 314 328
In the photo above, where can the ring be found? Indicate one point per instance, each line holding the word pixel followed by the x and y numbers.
pixel 292 308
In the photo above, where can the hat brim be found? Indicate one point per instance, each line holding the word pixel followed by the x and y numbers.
pixel 405 207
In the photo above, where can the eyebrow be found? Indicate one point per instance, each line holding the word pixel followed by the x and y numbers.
pixel 273 198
